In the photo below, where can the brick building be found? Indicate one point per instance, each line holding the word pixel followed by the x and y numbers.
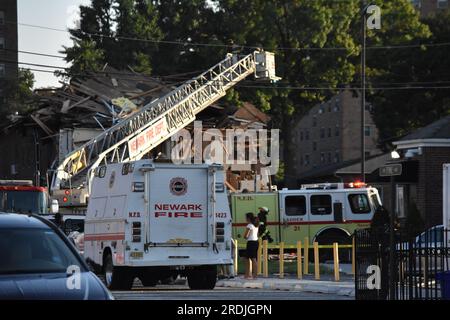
pixel 8 43
pixel 330 134
pixel 430 7
pixel 429 149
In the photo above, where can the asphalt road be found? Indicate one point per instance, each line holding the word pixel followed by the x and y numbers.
pixel 182 292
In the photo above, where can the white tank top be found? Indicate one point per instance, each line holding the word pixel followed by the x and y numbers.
pixel 253 234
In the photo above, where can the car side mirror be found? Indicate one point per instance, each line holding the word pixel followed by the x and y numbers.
pixel 54 208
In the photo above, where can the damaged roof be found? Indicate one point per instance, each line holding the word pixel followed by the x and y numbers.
pixel 94 100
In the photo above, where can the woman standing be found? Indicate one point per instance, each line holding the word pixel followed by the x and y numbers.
pixel 251 234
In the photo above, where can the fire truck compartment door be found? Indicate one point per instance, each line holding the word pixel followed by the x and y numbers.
pixel 178 207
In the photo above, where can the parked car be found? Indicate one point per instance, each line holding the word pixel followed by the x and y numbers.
pixel 39 262
pixel 429 252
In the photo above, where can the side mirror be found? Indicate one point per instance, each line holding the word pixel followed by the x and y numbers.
pixel 54 208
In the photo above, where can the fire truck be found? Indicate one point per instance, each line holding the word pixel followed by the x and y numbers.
pixel 326 213
pixel 22 196
pixel 155 220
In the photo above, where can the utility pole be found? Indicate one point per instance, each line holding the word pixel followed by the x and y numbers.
pixel 363 91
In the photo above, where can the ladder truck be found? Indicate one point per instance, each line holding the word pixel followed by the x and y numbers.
pixel 151 220
pixel 132 138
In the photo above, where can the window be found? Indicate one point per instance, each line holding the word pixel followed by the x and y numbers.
pixel 2 70
pixel 307 160
pixel 322 157
pixel 367 131
pixel 307 135
pixel 329 157
pixel 322 133
pixel 336 131
pixel 336 157
pixel 329 132
pixel 2 17
pixel 295 205
pixel 2 43
pixel 442 4
pixel 416 3
pixel 359 203
pixel 314 146
pixel 314 121
pixel 301 135
pixel 337 105
pixel 320 110
pixel 321 204
pixel 33 250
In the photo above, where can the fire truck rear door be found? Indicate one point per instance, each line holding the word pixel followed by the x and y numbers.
pixel 178 206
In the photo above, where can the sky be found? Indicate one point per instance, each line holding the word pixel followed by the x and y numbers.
pixel 59 14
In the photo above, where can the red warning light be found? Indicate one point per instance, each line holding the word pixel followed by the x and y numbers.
pixel 357 184
pixel 67 192
pixel 65 199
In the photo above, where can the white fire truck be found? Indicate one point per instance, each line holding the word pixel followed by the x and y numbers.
pixel 154 220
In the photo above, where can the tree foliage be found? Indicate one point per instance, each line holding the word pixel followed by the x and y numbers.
pixel 18 93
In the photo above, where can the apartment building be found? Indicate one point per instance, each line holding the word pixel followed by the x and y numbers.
pixel 430 7
pixel 330 134
pixel 8 43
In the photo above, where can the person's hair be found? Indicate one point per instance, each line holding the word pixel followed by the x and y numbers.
pixel 251 217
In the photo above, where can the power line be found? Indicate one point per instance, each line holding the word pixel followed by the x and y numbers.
pixel 407 85
pixel 34 53
pixel 198 44
pixel 286 87
pixel 38 54
pixel 106 73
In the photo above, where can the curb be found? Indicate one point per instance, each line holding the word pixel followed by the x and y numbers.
pixel 304 287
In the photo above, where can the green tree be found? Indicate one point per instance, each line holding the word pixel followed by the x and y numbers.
pixel 18 94
pixel 400 111
pixel 107 34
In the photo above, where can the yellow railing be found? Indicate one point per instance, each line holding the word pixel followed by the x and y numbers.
pixel 302 250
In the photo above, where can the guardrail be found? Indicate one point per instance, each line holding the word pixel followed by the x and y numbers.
pixel 302 253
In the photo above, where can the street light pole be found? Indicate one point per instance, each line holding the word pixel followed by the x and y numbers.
pixel 363 92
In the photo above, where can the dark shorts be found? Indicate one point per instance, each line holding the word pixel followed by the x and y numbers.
pixel 252 249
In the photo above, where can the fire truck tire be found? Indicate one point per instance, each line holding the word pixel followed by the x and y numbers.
pixel 116 278
pixel 202 278
pixel 148 281
pixel 328 238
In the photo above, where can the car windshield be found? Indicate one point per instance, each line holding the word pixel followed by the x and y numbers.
pixel 34 251
pixel 23 202
pixel 434 235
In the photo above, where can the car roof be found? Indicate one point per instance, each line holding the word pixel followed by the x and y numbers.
pixel 16 220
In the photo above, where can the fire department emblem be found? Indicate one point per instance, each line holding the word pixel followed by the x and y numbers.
pixel 178 186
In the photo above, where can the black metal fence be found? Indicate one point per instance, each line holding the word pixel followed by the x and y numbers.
pixel 415 268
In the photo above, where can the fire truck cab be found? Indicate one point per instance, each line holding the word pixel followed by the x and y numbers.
pixel 154 220
pixel 21 196
pixel 323 213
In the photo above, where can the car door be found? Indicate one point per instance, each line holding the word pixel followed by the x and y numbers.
pixel 321 212
pixel 294 217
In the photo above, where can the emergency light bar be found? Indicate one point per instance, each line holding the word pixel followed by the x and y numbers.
pixel 333 186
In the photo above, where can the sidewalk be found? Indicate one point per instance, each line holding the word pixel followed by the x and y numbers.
pixel 342 288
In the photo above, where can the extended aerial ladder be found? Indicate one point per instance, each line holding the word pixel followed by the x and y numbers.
pixel 139 133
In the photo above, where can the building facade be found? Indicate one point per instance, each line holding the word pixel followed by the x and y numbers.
pixel 429 148
pixel 430 7
pixel 8 44
pixel 330 134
